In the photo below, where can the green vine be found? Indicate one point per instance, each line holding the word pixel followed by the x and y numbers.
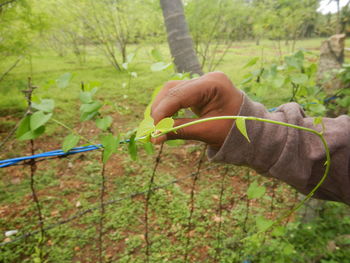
pixel 240 124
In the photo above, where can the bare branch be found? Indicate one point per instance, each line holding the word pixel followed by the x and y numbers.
pixel 7 2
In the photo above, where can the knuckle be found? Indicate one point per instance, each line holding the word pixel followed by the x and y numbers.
pixel 175 92
pixel 170 84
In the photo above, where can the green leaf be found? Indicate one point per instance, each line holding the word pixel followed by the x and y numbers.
pixel 251 62
pixel 45 105
pixel 278 81
pixel 175 143
pixel 278 231
pixel 38 119
pixel 148 146
pixel 262 223
pixel 130 57
pixel 91 107
pixel 159 66
pixel 70 141
pixel 132 148
pixel 299 78
pixel 63 81
pixel 88 115
pixel 317 109
pixel 240 123
pixel 293 62
pixel 145 128
pixel 288 249
pixel 157 56
pixel 104 123
pixel 92 86
pixel 246 80
pixel 125 66
pixel 85 97
pixel 165 124
pixel 133 74
pixel 31 135
pixel 110 145
pixel 255 191
pixel 317 120
pixel 23 127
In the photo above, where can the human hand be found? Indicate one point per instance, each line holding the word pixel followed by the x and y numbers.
pixel 211 95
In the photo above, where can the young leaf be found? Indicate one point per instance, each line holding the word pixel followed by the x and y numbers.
pixel 38 119
pixel 255 191
pixel 240 123
pixel 45 105
pixel 263 223
pixel 130 57
pixel 31 135
pixel 89 111
pixel 157 56
pixel 145 128
pixel 175 143
pixel 278 231
pixel 23 127
pixel 125 66
pixel 132 147
pixel 251 62
pixel 110 145
pixel 91 107
pixel 159 66
pixel 63 81
pixel 165 124
pixel 70 142
pixel 104 123
pixel 278 81
pixel 317 108
pixel 317 120
pixel 299 78
pixel 85 97
pixel 148 146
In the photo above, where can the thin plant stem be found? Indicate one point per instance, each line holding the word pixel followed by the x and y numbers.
pixel 148 197
pixel 247 210
pixel 319 134
pixel 217 257
pixel 76 133
pixel 192 204
pixel 102 211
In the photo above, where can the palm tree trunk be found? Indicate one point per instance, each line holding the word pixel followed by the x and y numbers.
pixel 179 39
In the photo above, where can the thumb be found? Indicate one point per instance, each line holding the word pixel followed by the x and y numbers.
pixel 193 132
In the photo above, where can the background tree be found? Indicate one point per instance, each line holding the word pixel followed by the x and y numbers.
pixel 19 25
pixel 222 22
pixel 179 39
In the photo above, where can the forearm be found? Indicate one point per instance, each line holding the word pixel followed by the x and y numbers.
pixel 296 157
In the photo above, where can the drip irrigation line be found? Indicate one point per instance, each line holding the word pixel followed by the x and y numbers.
pixel 81 149
pixel 55 153
pixel 98 206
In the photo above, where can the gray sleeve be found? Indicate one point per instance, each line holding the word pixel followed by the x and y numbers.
pixel 293 156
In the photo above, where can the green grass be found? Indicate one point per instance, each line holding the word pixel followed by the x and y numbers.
pixel 61 184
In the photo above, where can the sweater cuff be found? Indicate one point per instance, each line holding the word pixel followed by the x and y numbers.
pixel 237 150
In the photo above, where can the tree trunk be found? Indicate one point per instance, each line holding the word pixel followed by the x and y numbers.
pixel 179 39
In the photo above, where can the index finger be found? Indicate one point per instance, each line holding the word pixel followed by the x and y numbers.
pixel 190 93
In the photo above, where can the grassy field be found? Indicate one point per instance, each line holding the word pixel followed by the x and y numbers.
pixel 222 213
